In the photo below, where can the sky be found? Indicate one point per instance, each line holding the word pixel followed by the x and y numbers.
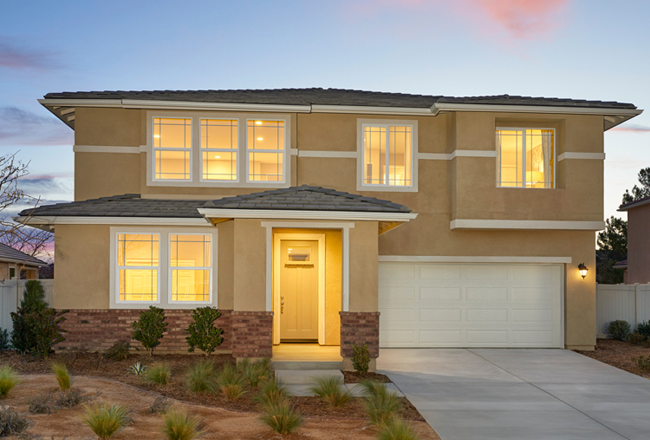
pixel 589 49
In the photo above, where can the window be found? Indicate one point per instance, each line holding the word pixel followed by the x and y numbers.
pixel 387 155
pixel 172 148
pixel 525 158
pixel 266 150
pixel 190 266
pixel 138 257
pixel 219 146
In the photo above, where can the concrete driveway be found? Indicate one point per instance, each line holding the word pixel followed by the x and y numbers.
pixel 486 394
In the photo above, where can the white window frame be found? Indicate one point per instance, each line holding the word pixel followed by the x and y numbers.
pixel 284 153
pixel 118 268
pixel 171 269
pixel 195 155
pixel 361 185
pixel 154 149
pixel 219 150
pixel 523 129
pixel 164 268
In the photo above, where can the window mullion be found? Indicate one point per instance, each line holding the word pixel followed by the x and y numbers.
pixel 387 160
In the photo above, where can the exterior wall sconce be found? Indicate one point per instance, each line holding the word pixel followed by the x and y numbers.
pixel 583 270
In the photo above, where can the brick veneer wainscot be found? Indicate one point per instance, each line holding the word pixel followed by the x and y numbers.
pixel 357 328
pixel 98 329
pixel 252 334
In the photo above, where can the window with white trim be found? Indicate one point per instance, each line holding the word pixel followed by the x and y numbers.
pixel 266 151
pixel 172 148
pixel 219 149
pixel 525 157
pixel 191 267
pixel 138 257
pixel 387 155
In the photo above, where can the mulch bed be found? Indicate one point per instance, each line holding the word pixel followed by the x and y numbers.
pixel 354 377
pixel 618 354
pixel 95 365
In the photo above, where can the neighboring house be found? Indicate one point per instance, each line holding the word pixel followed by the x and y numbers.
pixel 15 264
pixel 332 216
pixel 636 269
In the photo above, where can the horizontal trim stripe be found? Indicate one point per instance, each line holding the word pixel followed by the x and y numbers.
pixel 472 259
pixel 457 153
pixel 105 149
pixel 527 224
pixel 306 215
pixel 573 155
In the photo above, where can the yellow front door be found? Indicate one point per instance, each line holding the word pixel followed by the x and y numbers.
pixel 299 290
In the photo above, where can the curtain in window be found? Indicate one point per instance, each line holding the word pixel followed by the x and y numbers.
pixel 547 154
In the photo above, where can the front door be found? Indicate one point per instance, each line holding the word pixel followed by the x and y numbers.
pixel 298 290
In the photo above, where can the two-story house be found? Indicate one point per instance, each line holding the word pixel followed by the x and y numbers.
pixel 332 216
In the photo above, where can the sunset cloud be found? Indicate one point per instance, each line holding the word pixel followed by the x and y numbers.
pixel 633 128
pixel 16 56
pixel 21 127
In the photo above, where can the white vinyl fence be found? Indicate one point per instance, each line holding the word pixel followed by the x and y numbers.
pixel 11 293
pixel 628 302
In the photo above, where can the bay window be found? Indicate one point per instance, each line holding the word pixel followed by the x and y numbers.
pixel 525 158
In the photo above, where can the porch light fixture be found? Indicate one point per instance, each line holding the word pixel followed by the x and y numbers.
pixel 583 270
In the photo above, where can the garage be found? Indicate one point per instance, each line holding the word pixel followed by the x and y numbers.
pixel 470 305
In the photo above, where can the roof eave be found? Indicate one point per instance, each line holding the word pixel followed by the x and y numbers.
pixel 38 263
pixel 632 205
pixel 217 213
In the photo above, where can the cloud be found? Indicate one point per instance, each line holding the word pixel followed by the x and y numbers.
pixel 21 127
pixel 633 128
pixel 18 57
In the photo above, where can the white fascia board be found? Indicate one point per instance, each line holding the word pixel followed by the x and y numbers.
pixel 371 110
pixel 575 155
pixel 473 259
pixel 269 214
pixel 81 102
pixel 444 106
pixel 558 225
pixel 79 220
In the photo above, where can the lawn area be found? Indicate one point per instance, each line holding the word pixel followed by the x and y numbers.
pixel 619 354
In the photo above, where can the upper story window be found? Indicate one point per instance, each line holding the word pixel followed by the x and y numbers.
pixel 525 157
pixel 266 151
pixel 172 148
pixel 387 155
pixel 219 149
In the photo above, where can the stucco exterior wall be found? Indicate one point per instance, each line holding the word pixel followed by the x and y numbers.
pixel 364 267
pixel 638 245
pixel 249 266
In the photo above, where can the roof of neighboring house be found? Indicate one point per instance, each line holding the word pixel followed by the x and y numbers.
pixel 307 198
pixel 621 265
pixel 9 254
pixel 634 204
pixel 320 96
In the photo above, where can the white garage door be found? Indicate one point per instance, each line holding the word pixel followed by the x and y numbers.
pixel 470 305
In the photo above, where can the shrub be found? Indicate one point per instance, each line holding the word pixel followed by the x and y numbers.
pixel 106 420
pixel 42 404
pixel 62 376
pixel 8 380
pixel 5 340
pixel 181 426
pixel 11 423
pixel 203 334
pixel 397 429
pixel 643 329
pixel 281 417
pixel 360 358
pixel 149 329
pixel 201 377
pixel 231 383
pixel 635 338
pixel 159 374
pixel 328 388
pixel 73 398
pixel 381 405
pixel 119 351
pixel 36 327
pixel 138 369
pixel 271 393
pixel 618 329
pixel 643 363
pixel 161 405
pixel 255 372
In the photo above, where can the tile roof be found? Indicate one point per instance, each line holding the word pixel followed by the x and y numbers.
pixel 307 198
pixel 634 203
pixel 621 264
pixel 9 253
pixel 320 96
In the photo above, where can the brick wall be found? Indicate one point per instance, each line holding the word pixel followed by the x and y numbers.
pixel 97 330
pixel 357 328
pixel 252 334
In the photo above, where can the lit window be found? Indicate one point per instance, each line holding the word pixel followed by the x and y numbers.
pixel 525 158
pixel 172 146
pixel 219 145
pixel 266 151
pixel 190 265
pixel 387 155
pixel 138 266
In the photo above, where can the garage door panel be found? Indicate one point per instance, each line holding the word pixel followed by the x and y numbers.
pixel 470 305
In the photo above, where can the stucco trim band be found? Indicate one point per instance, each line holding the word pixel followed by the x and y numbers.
pixel 572 155
pixel 272 214
pixel 457 153
pixel 105 149
pixel 527 224
pixel 473 259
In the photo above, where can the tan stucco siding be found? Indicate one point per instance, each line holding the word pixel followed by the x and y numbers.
pixel 364 275
pixel 226 264
pixel 109 127
pixel 249 266
pixel 106 174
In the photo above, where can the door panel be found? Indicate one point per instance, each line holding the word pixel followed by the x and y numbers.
pixel 299 290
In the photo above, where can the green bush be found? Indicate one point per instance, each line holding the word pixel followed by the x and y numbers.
pixel 643 363
pixel 618 329
pixel 11 423
pixel 635 338
pixel 643 329
pixel 201 377
pixel 181 426
pixel 271 393
pixel 397 429
pixel 255 372
pixel 231 383
pixel 159 374
pixel 360 358
pixel 149 329
pixel 119 351
pixel 328 388
pixel 5 340
pixel 62 376
pixel 8 380
pixel 36 327
pixel 106 420
pixel 281 417
pixel 203 334
pixel 381 405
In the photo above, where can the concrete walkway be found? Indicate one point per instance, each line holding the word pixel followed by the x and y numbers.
pixel 487 394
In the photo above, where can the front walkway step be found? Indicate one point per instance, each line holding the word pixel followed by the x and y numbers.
pixel 307 365
pixel 304 377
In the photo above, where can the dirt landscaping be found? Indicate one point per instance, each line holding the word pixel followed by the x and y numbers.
pixel 223 419
pixel 618 354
